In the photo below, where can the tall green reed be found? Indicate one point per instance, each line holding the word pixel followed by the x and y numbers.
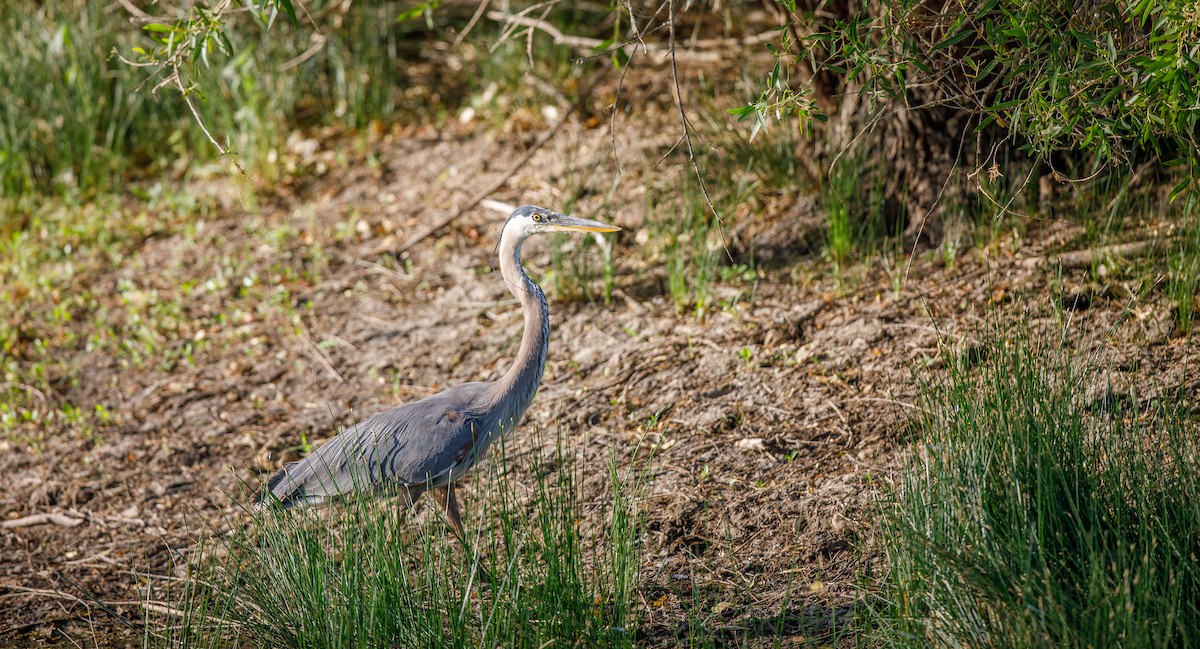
pixel 364 574
pixel 1035 515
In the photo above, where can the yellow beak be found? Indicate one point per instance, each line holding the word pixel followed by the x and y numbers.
pixel 575 224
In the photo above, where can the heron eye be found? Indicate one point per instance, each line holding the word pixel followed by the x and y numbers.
pixel 537 217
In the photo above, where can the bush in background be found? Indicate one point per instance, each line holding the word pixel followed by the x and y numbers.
pixel 929 85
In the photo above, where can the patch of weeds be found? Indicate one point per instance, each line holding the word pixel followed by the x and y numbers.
pixel 68 112
pixel 854 215
pixel 1103 206
pixel 50 304
pixel 836 200
pixel 688 236
pixel 73 116
pixel 362 573
pixel 691 261
pixel 1030 518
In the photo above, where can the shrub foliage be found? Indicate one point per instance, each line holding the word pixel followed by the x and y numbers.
pixel 1084 87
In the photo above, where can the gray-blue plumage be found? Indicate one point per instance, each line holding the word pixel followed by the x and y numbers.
pixel 431 443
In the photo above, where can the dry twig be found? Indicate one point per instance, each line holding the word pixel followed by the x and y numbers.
pixel 683 119
pixel 478 197
pixel 1092 256
pixel 317 353
pixel 41 519
pixel 709 49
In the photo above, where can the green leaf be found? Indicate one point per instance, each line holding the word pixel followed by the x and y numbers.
pixel 288 9
pixel 987 69
pixel 158 27
pixel 953 40
pixel 409 14
pixel 986 8
pixel 422 9
pixel 1180 189
pixel 620 58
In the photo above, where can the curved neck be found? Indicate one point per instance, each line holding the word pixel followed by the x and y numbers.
pixel 521 381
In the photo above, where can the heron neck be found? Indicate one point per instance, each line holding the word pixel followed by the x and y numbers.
pixel 519 384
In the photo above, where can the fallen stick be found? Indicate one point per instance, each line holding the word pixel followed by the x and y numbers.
pixel 442 222
pixel 591 45
pixel 438 224
pixel 41 592
pixel 154 607
pixel 41 519
pixel 316 352
pixel 1091 256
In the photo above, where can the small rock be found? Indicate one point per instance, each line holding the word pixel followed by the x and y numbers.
pixel 751 444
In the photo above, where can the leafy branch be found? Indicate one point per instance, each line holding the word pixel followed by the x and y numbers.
pixel 195 38
pixel 1104 79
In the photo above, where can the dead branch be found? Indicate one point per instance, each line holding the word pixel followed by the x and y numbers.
pixel 474 200
pixel 41 519
pixel 709 49
pixel 683 119
pixel 137 15
pixel 471 23
pixel 318 40
pixel 1089 257
pixel 154 607
pixel 42 592
pixel 317 353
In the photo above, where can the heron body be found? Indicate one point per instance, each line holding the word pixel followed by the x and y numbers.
pixel 431 443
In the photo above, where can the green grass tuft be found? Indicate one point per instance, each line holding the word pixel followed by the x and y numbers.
pixel 1034 516
pixel 855 226
pixel 363 574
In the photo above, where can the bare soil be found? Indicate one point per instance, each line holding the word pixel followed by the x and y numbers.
pixel 779 419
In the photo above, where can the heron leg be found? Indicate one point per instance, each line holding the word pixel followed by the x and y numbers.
pixel 412 493
pixel 444 497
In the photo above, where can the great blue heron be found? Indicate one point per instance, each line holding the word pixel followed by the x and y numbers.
pixel 430 444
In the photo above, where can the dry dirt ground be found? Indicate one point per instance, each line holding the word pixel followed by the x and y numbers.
pixel 777 417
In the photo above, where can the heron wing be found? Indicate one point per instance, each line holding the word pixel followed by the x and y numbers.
pixel 420 443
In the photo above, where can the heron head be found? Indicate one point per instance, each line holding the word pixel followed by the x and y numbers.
pixel 531 219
